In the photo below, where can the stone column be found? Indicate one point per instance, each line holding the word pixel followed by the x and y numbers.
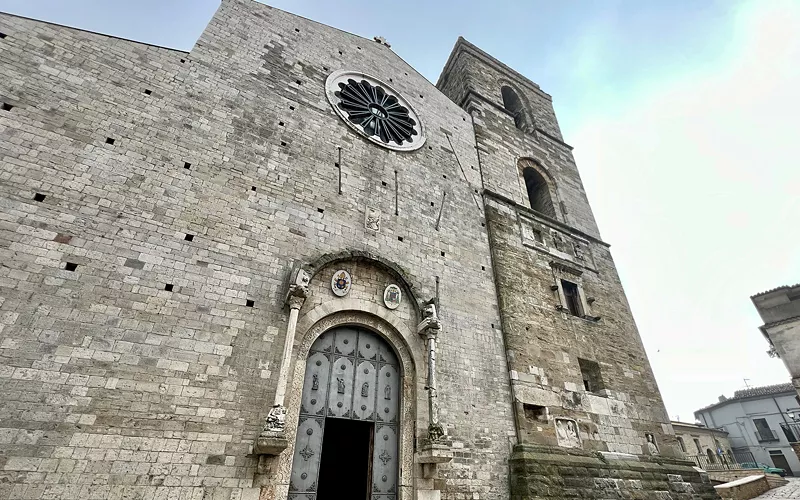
pixel 430 328
pixel 272 440
pixel 432 453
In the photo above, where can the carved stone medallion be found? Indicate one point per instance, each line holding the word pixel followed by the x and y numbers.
pixel 392 296
pixel 341 283
pixel 372 220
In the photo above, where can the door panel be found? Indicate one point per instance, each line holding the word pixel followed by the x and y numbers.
pixel 368 345
pixel 388 393
pixel 384 460
pixel 340 392
pixel 315 388
pixel 345 341
pixel 350 374
pixel 308 451
pixel 364 395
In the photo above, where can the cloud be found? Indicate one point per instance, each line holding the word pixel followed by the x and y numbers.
pixel 694 182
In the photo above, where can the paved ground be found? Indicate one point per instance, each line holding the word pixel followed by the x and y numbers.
pixel 791 490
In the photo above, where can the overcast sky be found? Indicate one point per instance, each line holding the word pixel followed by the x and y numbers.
pixel 684 118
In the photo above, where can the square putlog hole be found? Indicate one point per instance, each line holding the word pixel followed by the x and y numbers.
pixel 188 237
pixel 187 165
pixel 39 197
pixel 71 266
pixel 250 303
pixel 7 106
pixel 168 287
pixel 2 35
pixel 148 91
pixel 109 140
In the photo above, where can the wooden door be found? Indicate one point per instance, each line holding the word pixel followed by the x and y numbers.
pixel 350 374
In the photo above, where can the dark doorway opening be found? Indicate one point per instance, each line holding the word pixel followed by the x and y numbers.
pixel 345 470
pixel 779 460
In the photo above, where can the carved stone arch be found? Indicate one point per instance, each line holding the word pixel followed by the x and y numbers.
pixel 516 104
pixel 538 187
pixel 410 355
pixel 387 265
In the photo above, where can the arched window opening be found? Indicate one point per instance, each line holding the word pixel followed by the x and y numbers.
pixel 711 458
pixel 538 192
pixel 514 106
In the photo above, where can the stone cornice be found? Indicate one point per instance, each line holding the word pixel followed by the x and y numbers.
pixel 549 220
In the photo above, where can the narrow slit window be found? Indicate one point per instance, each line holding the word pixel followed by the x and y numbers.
pixel 572 298
pixel 590 373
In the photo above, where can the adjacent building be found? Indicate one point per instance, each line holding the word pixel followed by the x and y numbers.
pixel 780 310
pixel 707 444
pixel 759 420
pixel 286 265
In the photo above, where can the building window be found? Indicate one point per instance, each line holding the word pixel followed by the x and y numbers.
pixel 538 192
pixel 711 458
pixel 681 444
pixel 697 445
pixel 513 105
pixel 590 373
pixel 763 432
pixel 572 298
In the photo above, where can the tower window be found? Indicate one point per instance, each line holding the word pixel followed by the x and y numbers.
pixel 538 192
pixel 572 298
pixel 590 373
pixel 681 444
pixel 513 104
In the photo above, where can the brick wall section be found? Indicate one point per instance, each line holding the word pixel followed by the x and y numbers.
pixel 113 386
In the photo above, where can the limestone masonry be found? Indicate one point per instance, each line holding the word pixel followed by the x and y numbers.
pixel 285 265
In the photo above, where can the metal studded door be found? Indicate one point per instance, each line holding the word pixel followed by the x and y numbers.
pixel 350 374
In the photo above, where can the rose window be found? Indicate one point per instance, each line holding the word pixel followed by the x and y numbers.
pixel 375 110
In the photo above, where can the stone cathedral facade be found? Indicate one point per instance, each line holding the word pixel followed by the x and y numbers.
pixel 285 265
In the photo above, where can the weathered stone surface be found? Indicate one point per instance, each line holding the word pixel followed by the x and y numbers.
pixel 217 172
pixel 545 473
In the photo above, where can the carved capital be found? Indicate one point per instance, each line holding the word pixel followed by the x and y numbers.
pixel 297 296
pixel 275 423
pixel 430 323
pixel 298 289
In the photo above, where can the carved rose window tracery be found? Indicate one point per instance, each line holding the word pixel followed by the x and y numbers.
pixel 375 110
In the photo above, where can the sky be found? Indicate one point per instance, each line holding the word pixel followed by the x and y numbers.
pixel 684 118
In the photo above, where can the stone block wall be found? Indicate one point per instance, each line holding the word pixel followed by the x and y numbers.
pixel 532 253
pixel 142 308
pixel 539 473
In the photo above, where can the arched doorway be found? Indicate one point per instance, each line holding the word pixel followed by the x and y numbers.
pixel 346 445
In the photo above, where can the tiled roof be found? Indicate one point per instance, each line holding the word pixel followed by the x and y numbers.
pixel 752 392
pixel 763 391
pixel 784 287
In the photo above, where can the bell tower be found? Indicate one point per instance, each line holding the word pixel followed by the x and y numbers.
pixel 581 381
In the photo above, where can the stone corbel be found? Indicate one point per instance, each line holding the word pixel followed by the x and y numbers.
pixel 272 439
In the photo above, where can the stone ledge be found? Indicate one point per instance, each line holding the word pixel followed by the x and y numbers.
pixel 434 454
pixel 270 445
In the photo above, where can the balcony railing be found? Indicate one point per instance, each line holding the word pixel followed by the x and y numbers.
pixel 725 461
pixel 766 435
pixel 792 432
